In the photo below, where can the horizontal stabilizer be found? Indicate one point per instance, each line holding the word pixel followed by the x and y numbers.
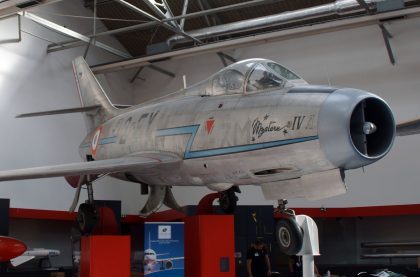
pixel 407 128
pixel 62 111
pixel 20 260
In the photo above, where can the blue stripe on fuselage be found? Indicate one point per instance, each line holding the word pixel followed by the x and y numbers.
pixel 192 130
pixel 108 140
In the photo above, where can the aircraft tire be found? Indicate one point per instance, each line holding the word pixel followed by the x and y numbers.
pixel 289 236
pixel 228 201
pixel 86 218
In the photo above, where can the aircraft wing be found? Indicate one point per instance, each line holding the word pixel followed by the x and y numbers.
pixel 411 127
pixel 131 163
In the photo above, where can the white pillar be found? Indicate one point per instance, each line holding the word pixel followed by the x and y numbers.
pixel 310 245
pixel 308 266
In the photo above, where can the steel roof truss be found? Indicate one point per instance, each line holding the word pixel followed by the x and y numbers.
pixel 67 32
pixel 387 35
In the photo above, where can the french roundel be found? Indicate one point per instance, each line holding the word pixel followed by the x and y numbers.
pixel 95 140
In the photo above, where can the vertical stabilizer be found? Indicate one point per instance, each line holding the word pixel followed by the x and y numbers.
pixel 92 94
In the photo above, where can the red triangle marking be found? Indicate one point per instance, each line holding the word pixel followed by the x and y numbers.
pixel 209 125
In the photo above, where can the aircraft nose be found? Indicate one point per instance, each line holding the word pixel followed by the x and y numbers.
pixel 355 128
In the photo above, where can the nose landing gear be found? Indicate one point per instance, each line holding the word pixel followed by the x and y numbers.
pixel 289 236
pixel 228 200
pixel 298 235
pixel 288 233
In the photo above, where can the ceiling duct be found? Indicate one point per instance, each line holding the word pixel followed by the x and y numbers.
pixel 340 7
pixel 28 4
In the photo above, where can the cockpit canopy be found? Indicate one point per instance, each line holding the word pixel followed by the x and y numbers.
pixel 247 76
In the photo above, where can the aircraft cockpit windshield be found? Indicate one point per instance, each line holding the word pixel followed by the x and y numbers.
pixel 231 79
pixel 282 71
pixel 251 76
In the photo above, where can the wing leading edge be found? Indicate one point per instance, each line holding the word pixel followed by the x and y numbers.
pixel 411 127
pixel 132 163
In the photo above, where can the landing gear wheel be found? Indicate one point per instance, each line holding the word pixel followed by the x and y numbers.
pixel 87 217
pixel 227 201
pixel 289 236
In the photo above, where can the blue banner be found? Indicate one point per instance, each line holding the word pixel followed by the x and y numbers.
pixel 163 249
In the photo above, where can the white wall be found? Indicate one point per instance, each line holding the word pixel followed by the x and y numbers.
pixel 32 80
pixel 352 58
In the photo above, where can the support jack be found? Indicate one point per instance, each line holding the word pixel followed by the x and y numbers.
pixel 298 235
pixel 310 245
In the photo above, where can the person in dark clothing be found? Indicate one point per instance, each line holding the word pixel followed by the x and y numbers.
pixel 295 267
pixel 257 261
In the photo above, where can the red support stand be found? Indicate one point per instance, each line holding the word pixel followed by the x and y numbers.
pixel 209 246
pixel 105 256
pixel 205 206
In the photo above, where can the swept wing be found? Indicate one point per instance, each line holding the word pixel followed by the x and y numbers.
pixel 131 163
pixel 411 127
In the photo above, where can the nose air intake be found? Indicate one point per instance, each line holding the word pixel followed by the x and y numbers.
pixel 355 128
pixel 372 127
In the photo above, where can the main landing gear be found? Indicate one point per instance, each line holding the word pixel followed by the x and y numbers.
pixel 87 215
pixel 288 233
pixel 228 200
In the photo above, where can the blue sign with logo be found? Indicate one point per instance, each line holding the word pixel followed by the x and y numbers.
pixel 163 249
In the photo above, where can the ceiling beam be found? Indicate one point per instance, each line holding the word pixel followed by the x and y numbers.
pixel 160 22
pixel 387 35
pixel 225 57
pixel 9 8
pixel 365 6
pixel 162 70
pixel 226 8
pixel 69 44
pixel 258 39
pixel 162 10
pixel 136 75
pixel 184 12
pixel 66 45
pixel 67 32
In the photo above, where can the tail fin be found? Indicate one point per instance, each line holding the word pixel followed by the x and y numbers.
pixel 92 94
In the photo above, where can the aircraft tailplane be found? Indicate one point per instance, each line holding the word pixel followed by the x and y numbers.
pixel 92 94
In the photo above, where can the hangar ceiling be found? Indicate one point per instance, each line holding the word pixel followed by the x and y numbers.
pixel 140 41
pixel 148 28
pixel 215 17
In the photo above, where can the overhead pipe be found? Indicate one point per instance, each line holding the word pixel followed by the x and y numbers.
pixel 339 7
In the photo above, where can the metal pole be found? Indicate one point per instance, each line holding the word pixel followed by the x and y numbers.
pixel 184 12
pixel 20 27
pixel 308 266
pixel 65 31
pixel 89 190
pixel 94 18
pixel 386 35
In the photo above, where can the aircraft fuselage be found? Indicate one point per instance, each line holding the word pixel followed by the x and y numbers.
pixel 223 139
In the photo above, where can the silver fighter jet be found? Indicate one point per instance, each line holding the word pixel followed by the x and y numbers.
pixel 252 123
